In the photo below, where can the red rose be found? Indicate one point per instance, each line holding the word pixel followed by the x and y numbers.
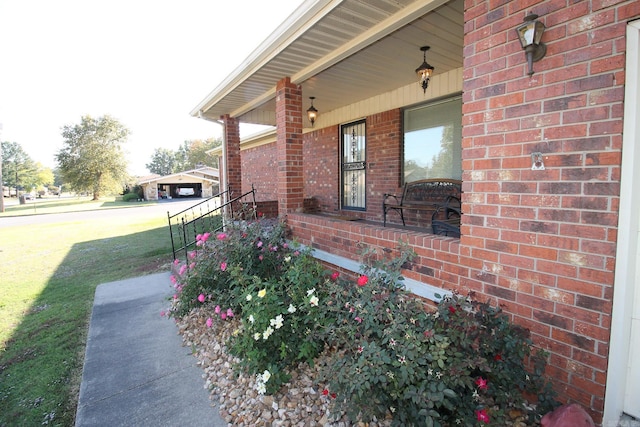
pixel 452 309
pixel 335 276
pixel 325 392
pixel 482 416
pixel 362 280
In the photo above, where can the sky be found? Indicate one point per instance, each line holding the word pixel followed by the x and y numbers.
pixel 147 63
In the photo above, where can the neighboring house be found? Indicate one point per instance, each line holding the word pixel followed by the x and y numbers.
pixel 199 182
pixel 557 246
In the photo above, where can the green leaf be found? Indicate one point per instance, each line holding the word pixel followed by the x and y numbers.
pixel 449 393
pixel 428 421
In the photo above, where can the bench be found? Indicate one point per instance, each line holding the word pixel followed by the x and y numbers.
pixel 438 196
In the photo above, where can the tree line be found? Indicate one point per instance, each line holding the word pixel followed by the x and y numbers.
pixel 93 160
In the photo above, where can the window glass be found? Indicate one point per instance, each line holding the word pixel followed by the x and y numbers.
pixel 433 140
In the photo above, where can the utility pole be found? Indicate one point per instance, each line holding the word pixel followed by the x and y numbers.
pixel 1 181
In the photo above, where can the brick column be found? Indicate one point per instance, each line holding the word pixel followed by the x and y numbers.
pixel 289 147
pixel 231 155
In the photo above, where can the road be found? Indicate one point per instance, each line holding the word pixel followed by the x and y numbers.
pixel 173 206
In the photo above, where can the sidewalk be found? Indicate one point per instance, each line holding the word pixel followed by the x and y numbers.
pixel 136 372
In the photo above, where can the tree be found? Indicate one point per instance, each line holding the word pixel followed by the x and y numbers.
pixel 18 169
pixel 163 162
pixel 44 175
pixel 92 159
pixel 189 155
pixel 197 154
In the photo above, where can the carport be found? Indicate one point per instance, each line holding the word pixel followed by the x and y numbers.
pixel 199 182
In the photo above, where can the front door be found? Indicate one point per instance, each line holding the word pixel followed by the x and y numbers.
pixel 353 166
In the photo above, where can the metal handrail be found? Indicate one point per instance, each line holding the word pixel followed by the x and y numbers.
pixel 189 222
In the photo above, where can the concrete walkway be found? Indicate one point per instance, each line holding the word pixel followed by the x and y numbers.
pixel 136 371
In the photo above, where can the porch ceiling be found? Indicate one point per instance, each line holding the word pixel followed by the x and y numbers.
pixel 341 52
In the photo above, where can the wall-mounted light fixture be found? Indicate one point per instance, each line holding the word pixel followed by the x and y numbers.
pixel 424 71
pixel 312 113
pixel 530 34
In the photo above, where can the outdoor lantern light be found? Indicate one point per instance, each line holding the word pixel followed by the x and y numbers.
pixel 530 34
pixel 425 70
pixel 312 113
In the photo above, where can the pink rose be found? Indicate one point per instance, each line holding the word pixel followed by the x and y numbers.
pixel 481 383
pixel 201 297
pixel 209 322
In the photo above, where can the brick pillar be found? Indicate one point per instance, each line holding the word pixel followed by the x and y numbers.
pixel 231 155
pixel 289 147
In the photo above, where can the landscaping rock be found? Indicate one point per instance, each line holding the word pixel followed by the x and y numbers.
pixel 572 415
pixel 298 403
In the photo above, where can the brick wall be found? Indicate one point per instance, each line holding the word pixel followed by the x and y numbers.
pixel 322 168
pixel 260 168
pixel 384 167
pixel 322 164
pixel 438 260
pixel 547 238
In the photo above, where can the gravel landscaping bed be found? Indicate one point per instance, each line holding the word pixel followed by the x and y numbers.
pixel 299 403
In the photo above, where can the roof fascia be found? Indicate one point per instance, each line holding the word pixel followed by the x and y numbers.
pixel 181 174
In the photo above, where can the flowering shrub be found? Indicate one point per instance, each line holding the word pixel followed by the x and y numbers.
pixel 252 273
pixel 462 364
pixel 229 260
pixel 280 320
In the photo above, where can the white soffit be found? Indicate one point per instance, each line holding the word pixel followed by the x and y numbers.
pixel 341 52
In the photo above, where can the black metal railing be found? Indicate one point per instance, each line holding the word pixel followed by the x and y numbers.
pixel 208 216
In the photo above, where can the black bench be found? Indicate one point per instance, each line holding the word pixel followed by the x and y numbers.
pixel 439 196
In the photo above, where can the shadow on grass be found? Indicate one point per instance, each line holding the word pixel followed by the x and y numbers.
pixel 40 369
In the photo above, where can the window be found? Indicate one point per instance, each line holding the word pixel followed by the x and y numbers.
pixel 433 140
pixel 353 165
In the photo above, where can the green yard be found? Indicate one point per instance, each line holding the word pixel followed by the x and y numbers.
pixel 49 274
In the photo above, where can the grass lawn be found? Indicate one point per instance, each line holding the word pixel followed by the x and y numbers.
pixel 49 275
pixel 66 204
